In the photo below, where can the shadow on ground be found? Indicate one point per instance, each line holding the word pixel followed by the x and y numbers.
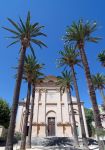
pixel 63 141
pixel 3 141
pixel 53 141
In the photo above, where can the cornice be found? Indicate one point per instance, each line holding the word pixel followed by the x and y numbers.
pixel 39 124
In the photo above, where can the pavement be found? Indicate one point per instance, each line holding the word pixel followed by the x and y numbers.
pixel 91 147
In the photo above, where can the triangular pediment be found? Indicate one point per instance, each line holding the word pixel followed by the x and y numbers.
pixel 50 78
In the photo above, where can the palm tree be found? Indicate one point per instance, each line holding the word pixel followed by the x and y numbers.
pixel 31 67
pixel 79 33
pixel 31 117
pixel 35 75
pixel 101 58
pixel 65 82
pixel 24 131
pixel 25 33
pixel 99 83
pixel 70 57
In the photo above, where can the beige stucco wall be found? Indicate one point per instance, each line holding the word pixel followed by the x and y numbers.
pixel 49 102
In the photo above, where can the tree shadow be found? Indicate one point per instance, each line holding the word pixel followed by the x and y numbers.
pixel 58 141
pixel 3 141
pixel 92 142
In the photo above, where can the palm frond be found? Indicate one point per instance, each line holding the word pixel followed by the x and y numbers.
pixel 80 32
pixel 93 39
pixel 13 43
pixel 38 42
pixel 22 24
pixel 69 57
pixel 28 21
pixel 12 37
pixel 38 34
pixel 32 68
pixel 26 32
pixel 12 31
pixel 98 81
pixel 35 24
pixel 65 80
pixel 101 58
pixel 14 24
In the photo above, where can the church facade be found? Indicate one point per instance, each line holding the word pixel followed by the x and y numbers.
pixel 52 112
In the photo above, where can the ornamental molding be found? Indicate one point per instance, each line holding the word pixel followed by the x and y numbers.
pixel 39 124
pixel 41 90
pixel 63 124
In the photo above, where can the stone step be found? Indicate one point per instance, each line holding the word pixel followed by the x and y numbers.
pixel 52 141
pixel 54 148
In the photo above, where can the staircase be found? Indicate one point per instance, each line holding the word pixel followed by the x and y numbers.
pixel 54 143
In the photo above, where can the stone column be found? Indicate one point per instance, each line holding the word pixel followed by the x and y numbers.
pixel 59 107
pixel 61 93
pixel 66 107
pixel 84 119
pixel 67 119
pixel 36 112
pixel 37 96
pixel 19 119
pixel 43 113
pixel 59 130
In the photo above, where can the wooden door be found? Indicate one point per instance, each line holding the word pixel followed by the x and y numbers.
pixel 51 126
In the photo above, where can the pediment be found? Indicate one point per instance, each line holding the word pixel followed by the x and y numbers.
pixel 50 79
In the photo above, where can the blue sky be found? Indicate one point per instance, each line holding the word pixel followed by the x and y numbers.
pixel 55 15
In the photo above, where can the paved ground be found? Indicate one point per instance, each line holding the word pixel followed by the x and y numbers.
pixel 51 148
pixel 55 143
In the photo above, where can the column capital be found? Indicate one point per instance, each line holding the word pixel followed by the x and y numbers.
pixel 41 90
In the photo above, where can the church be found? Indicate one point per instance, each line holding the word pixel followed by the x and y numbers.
pixel 52 112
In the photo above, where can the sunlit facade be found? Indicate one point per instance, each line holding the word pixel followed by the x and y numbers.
pixel 52 112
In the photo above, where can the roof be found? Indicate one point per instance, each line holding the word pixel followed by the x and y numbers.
pixel 49 80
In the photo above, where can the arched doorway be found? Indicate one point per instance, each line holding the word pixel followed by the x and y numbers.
pixel 51 123
pixel 51 126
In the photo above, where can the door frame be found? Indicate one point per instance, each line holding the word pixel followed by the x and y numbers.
pixel 53 126
pixel 50 114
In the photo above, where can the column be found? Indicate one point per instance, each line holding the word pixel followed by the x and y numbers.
pixel 37 95
pixel 84 119
pixel 66 113
pixel 59 129
pixel 59 107
pixel 36 113
pixel 68 128
pixel 42 113
pixel 61 93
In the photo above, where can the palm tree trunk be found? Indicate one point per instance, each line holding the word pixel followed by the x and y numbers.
pixel 24 132
pixel 92 93
pixel 11 129
pixel 74 122
pixel 85 142
pixel 31 118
